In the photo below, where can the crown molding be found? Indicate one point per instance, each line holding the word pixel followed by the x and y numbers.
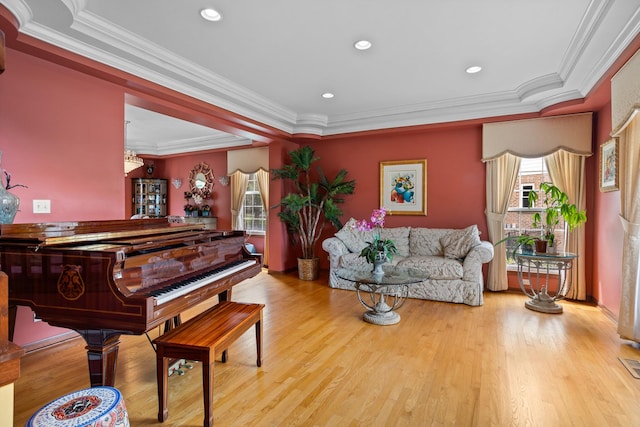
pixel 187 145
pixel 123 50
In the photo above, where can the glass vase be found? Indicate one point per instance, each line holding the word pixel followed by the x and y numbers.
pixel 9 204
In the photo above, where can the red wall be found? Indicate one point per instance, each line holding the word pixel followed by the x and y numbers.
pixel 455 174
pixel 608 233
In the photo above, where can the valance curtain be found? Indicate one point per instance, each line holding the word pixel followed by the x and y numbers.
pixel 501 177
pixel 629 140
pixel 567 172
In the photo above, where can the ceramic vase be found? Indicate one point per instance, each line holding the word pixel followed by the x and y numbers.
pixel 9 204
pixel 378 262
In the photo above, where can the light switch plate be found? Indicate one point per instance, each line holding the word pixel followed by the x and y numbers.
pixel 42 206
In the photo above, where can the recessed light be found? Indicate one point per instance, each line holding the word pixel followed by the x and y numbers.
pixel 327 95
pixel 474 69
pixel 210 14
pixel 362 44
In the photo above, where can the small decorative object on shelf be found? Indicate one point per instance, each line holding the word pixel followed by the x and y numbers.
pixel 9 203
pixel 379 250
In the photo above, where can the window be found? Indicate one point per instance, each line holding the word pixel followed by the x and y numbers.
pixel 519 218
pixel 253 215
pixel 525 189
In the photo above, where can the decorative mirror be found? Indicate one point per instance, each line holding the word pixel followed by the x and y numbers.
pixel 201 180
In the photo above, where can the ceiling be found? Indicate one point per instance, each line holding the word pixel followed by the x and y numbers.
pixel 270 61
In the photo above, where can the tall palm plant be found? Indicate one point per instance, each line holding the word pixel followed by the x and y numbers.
pixel 313 204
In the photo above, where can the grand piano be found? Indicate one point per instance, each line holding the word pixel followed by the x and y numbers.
pixel 108 278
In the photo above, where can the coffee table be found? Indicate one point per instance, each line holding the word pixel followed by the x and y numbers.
pixel 382 294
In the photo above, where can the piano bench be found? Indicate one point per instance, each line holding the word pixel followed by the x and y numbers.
pixel 201 339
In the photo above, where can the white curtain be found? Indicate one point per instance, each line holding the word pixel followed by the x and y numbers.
pixel 567 172
pixel 501 177
pixel 239 182
pixel 629 318
pixel 263 184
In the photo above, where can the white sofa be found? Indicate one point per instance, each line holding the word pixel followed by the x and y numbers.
pixel 452 258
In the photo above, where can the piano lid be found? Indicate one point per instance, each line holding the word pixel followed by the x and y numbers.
pixel 58 233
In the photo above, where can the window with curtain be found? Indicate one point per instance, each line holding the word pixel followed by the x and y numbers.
pixel 254 217
pixel 519 217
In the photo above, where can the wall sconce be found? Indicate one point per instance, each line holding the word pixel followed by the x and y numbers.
pixel 177 182
pixel 224 180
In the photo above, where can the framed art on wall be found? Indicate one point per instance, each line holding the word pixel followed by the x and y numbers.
pixel 609 168
pixel 403 187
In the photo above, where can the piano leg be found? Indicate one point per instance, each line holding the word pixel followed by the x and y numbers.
pixel 102 354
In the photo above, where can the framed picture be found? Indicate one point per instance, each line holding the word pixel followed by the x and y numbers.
pixel 609 167
pixel 403 187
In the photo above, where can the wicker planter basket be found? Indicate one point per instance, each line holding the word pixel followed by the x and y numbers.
pixel 308 268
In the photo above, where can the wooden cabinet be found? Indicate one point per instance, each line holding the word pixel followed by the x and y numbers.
pixel 149 197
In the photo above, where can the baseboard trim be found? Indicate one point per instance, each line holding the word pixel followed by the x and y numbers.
pixel 50 342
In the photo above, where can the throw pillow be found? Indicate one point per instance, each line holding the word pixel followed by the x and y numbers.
pixel 354 239
pixel 457 243
pixel 400 237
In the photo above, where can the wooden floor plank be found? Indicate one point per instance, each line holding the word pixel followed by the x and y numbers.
pixel 443 364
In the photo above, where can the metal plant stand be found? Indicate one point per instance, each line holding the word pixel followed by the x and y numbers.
pixel 534 271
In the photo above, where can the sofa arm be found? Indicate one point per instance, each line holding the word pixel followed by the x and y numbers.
pixel 477 256
pixel 336 248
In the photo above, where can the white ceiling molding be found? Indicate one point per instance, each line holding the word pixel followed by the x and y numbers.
pixel 569 49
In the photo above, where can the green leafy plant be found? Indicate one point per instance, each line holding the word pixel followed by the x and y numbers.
pixel 556 206
pixel 312 204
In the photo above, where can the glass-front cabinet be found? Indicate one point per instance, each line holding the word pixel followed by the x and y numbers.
pixel 149 197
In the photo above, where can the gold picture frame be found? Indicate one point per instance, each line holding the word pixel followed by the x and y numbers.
pixel 609 166
pixel 403 187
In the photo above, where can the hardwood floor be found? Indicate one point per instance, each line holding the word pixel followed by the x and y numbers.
pixel 443 364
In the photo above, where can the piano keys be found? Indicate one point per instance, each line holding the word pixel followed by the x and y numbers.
pixel 108 278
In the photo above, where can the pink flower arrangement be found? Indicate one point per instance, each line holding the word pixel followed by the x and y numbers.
pixel 377 221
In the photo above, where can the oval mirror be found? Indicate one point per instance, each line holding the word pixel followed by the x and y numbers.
pixel 201 180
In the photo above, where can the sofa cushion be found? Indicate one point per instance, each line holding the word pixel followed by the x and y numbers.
pixel 456 244
pixel 355 261
pixel 426 241
pixel 437 267
pixel 400 237
pixel 354 239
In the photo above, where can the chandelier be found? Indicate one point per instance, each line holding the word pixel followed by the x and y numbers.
pixel 131 161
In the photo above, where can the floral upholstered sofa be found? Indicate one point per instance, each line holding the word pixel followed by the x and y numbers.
pixel 452 259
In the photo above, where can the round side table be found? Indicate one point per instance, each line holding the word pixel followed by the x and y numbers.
pixel 382 294
pixel 534 272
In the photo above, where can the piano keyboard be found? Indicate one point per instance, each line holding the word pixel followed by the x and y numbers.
pixel 182 288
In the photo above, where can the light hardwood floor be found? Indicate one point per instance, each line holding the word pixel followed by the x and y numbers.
pixel 443 364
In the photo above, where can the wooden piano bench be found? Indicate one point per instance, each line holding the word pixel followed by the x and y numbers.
pixel 201 339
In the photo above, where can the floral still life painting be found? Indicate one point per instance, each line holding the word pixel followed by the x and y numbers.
pixel 403 187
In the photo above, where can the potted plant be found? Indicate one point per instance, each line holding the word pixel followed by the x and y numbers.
pixel 379 250
pixel 311 205
pixel 556 205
